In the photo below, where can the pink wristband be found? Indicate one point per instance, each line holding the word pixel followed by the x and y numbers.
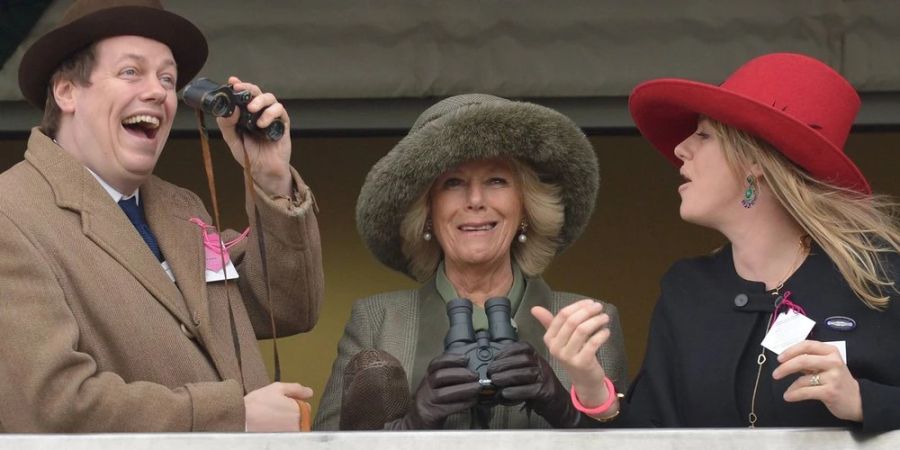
pixel 602 408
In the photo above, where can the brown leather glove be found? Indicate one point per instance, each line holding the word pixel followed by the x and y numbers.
pixel 448 388
pixel 523 375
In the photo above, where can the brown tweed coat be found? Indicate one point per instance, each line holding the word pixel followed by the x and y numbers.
pixel 410 325
pixel 95 337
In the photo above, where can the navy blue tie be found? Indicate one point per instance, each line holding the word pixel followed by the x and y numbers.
pixel 136 215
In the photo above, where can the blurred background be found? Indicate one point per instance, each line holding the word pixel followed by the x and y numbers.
pixel 356 74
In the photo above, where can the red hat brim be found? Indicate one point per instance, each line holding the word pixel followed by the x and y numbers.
pixel 666 111
pixel 186 41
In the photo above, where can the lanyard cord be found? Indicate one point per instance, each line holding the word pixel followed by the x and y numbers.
pixel 780 300
pixel 760 361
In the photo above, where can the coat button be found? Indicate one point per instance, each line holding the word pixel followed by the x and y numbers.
pixel 187 332
pixel 741 300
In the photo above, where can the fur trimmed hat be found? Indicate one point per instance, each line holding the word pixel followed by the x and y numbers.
pixel 466 128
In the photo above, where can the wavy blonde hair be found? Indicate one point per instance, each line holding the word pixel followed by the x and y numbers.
pixel 544 214
pixel 854 229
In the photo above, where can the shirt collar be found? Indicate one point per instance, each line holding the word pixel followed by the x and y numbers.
pixel 113 193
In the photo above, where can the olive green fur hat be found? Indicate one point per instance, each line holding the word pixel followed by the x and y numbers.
pixel 466 128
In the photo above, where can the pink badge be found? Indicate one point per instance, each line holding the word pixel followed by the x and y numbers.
pixel 216 250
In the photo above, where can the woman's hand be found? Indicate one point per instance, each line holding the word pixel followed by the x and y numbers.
pixel 269 161
pixel 824 377
pixel 448 388
pixel 573 337
pixel 523 375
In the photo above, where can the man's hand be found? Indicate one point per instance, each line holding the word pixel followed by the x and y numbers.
pixel 269 161
pixel 274 407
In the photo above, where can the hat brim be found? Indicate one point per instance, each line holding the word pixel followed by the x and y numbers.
pixel 546 140
pixel 186 41
pixel 666 111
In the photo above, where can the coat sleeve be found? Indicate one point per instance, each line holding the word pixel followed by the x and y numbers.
pixel 881 402
pixel 294 262
pixel 652 398
pixel 357 336
pixel 612 355
pixel 881 406
pixel 50 386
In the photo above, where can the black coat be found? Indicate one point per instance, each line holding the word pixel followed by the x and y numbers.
pixel 701 360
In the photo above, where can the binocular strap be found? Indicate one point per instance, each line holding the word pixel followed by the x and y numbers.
pixel 248 179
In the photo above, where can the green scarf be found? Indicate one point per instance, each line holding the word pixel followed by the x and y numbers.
pixel 479 318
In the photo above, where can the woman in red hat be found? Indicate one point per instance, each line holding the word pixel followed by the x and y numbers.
pixel 794 322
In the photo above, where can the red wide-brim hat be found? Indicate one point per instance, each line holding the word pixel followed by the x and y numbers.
pixel 89 21
pixel 794 102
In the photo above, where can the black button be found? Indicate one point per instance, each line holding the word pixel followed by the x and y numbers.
pixel 741 300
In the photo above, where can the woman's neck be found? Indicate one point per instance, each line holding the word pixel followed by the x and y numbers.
pixel 479 283
pixel 767 247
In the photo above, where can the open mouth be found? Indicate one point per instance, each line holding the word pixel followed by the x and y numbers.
pixel 142 125
pixel 687 180
pixel 475 227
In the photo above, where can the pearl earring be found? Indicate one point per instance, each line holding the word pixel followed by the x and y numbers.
pixel 522 238
pixel 427 235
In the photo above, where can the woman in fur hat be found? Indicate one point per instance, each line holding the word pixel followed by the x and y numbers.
pixel 474 203
pixel 794 321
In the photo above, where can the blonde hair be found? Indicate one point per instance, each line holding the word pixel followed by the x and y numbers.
pixel 852 228
pixel 544 214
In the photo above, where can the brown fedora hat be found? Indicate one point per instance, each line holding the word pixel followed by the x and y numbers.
pixel 88 21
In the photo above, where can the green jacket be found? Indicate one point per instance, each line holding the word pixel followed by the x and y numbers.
pixel 411 324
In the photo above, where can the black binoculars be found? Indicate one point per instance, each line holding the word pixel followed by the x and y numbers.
pixel 221 101
pixel 482 347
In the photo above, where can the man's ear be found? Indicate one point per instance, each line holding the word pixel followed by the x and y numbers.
pixel 64 93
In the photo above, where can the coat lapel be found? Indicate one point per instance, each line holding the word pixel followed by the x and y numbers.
pixel 537 293
pixel 180 241
pixel 433 326
pixel 103 221
pixel 168 212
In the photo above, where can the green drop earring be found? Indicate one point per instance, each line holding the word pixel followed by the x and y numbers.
pixel 750 193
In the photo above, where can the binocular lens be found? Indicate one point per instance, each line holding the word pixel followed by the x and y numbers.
pixel 274 131
pixel 459 311
pixel 498 311
pixel 218 104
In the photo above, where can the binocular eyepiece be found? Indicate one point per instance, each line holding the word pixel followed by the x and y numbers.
pixel 482 347
pixel 221 101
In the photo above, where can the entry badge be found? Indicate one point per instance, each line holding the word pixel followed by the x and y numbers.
pixel 216 252
pixel 789 328
pixel 218 263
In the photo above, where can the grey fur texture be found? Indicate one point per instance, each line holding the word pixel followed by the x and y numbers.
pixel 470 127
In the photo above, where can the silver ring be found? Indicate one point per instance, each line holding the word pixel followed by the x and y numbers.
pixel 814 380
